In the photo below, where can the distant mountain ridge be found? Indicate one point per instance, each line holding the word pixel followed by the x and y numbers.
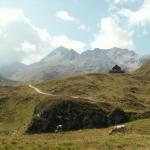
pixel 122 57
pixel 6 82
pixel 114 55
pixel 66 62
pixel 61 54
pixel 12 68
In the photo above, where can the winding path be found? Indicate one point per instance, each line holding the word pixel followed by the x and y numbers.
pixel 43 93
pixel 39 91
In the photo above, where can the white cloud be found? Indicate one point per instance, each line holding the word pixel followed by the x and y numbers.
pixel 138 17
pixel 117 1
pixel 64 15
pixel 62 40
pixel 22 41
pixel 122 1
pixel 83 27
pixel 112 35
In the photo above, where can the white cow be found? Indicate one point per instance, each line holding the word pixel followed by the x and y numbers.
pixel 58 128
pixel 117 128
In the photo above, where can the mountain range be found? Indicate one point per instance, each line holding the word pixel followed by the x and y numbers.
pixel 66 62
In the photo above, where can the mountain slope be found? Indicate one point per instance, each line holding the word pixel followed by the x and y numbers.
pixel 12 68
pixel 6 82
pixel 120 89
pixel 144 71
pixel 64 62
pixel 109 98
pixel 109 95
pixel 60 54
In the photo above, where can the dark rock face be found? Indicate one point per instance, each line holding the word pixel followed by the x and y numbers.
pixel 117 116
pixel 72 115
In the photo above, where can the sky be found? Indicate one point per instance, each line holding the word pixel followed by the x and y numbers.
pixel 31 29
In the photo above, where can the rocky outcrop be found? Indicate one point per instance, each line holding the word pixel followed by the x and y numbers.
pixel 74 114
pixel 117 116
pixel 71 114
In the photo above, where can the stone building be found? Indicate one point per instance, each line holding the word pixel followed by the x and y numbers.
pixel 117 69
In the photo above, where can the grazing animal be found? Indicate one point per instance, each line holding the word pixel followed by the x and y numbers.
pixel 58 128
pixel 38 115
pixel 118 128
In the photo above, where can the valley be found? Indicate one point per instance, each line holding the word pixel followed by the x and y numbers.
pixel 74 75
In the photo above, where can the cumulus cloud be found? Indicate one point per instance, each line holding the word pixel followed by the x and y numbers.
pixel 139 17
pixel 64 15
pixel 62 40
pixel 22 41
pixel 112 35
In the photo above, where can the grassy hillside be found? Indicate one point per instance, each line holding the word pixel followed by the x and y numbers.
pixel 80 99
pixel 106 91
pixel 144 71
pixel 121 90
pixel 115 98
pixel 16 108
pixel 136 137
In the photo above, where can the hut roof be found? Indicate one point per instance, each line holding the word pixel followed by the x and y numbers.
pixel 116 67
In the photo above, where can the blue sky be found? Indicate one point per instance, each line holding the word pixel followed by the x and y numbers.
pixel 42 13
pixel 77 24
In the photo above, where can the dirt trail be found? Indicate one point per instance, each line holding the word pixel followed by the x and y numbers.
pixel 43 93
pixel 39 91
